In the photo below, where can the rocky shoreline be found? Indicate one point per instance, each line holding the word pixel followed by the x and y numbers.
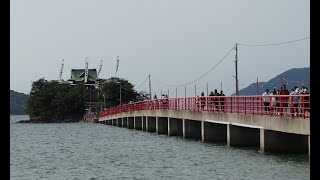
pixel 45 120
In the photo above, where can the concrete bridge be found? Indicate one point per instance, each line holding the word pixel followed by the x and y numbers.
pixel 240 121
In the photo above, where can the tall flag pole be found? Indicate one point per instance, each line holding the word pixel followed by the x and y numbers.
pixel 117 66
pixel 86 71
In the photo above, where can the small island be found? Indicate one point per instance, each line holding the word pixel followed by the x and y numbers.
pixel 59 101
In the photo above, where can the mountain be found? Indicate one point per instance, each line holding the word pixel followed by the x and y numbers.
pixel 17 102
pixel 293 77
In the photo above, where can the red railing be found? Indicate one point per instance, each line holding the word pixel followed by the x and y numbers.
pixel 275 105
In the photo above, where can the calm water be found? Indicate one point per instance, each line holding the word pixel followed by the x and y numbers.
pixel 97 151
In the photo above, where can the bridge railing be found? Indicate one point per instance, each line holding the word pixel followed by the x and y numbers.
pixel 273 105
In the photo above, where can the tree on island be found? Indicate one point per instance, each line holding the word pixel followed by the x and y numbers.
pixel 111 91
pixel 51 101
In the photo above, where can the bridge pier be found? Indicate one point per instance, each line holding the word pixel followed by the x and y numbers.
pixel 272 134
pixel 162 125
pixel 119 122
pixel 242 136
pixel 191 129
pixel 151 124
pixel 122 122
pixel 138 123
pixel 175 127
pixel 130 123
pixel 279 142
pixel 213 132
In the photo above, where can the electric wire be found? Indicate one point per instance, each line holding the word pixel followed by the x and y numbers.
pixel 273 44
pixel 124 88
pixel 142 83
pixel 200 76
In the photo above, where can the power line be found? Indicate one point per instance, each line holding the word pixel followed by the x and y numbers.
pixel 200 76
pixel 125 88
pixel 273 44
pixel 142 83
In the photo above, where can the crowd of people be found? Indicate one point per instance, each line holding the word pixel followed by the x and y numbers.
pixel 277 102
pixel 214 103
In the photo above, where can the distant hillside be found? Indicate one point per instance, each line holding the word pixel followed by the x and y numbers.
pixel 292 77
pixel 17 102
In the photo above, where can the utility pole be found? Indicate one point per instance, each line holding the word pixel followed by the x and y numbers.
pixel 176 92
pixel 236 63
pixel 207 89
pixel 257 86
pixel 120 95
pixel 221 86
pixel 104 100
pixel 150 87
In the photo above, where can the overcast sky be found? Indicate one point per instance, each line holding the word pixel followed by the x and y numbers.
pixel 176 41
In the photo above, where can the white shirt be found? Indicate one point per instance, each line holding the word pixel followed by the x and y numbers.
pixel 266 97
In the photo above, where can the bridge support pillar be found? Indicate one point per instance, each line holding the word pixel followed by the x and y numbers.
pixel 119 122
pixel 130 123
pixel 309 146
pixel 262 140
pixel 138 123
pixel 243 136
pixel 122 122
pixel 162 125
pixel 280 142
pixel 192 129
pixel 175 127
pixel 151 124
pixel 157 124
pixel 134 122
pixel 213 132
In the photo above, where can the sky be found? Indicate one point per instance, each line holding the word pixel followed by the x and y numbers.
pixel 175 41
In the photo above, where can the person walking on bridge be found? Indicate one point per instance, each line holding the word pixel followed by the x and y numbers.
pixel 266 101
pixel 203 101
pixel 222 101
pixel 197 102
pixel 210 102
pixel 284 99
pixel 294 98
pixel 216 100
pixel 274 101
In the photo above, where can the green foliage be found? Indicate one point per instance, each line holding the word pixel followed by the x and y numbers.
pixel 52 101
pixel 18 102
pixel 111 89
